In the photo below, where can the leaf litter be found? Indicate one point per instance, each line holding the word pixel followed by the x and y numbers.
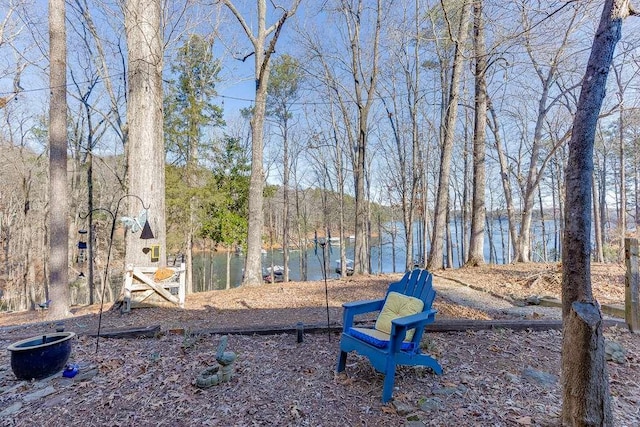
pixel 278 381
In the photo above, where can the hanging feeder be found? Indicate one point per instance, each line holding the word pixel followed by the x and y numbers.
pixel 82 247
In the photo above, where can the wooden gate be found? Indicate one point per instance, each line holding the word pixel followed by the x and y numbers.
pixel 145 287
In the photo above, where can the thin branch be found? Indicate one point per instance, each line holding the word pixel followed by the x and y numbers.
pixel 242 21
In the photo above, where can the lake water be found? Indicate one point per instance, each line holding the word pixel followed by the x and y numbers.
pixel 209 269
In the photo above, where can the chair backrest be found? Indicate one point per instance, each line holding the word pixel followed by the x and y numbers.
pixel 417 283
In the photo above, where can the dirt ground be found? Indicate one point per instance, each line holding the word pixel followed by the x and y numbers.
pixel 491 378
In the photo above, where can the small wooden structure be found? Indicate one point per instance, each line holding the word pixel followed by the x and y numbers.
pixel 141 288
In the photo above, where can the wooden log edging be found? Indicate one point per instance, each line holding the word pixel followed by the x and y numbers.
pixel 151 331
pixel 440 326
pixel 446 325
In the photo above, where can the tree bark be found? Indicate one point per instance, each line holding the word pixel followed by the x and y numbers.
pixel 145 141
pixel 494 125
pixel 285 199
pixel 58 204
pixel 476 241
pixel 622 215
pixel 442 199
pixel 586 399
pixel 361 263
pixel 597 223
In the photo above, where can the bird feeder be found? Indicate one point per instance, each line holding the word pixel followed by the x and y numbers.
pixel 82 247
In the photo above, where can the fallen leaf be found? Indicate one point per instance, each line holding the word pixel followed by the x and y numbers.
pixel 525 421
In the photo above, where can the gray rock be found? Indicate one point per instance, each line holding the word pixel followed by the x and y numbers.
pixel 431 404
pixel 11 410
pixel 86 373
pixel 445 391
pixel 39 394
pixel 513 378
pixel 614 352
pixel 403 409
pixel 12 389
pixel 540 377
pixel 533 300
pixel 467 379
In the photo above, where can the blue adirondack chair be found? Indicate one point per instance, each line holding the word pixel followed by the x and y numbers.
pixel 386 350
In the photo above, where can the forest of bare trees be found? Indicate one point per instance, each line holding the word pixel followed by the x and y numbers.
pixel 449 119
pixel 237 124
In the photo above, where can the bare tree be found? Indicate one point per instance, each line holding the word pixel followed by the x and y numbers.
pixel 364 90
pixel 548 74
pixel 476 240
pixel 58 207
pixel 283 93
pixel 402 97
pixel 448 130
pixel 586 399
pixel 262 51
pixel 352 80
pixel 623 80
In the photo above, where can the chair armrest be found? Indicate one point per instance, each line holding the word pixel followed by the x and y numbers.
pixel 401 325
pixel 409 322
pixel 358 307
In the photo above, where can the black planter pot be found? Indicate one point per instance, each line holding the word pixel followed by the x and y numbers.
pixel 42 356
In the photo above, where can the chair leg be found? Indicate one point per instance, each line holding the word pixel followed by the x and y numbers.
pixel 430 362
pixel 342 361
pixel 389 379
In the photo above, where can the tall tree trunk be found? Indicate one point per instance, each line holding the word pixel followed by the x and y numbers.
pixel 547 75
pixel 636 181
pixel 228 269
pixel 285 201
pixel 440 215
pixel 449 239
pixel 599 249
pixel 253 262
pixel 145 143
pixel 302 239
pixel 586 399
pixel 543 227
pixel 622 215
pixel 361 263
pixel 262 53
pixel 58 205
pixel 602 203
pixel 91 247
pixel 476 241
pixel 494 125
pixel 189 254
pixel 410 215
pixel 340 181
pixel 556 202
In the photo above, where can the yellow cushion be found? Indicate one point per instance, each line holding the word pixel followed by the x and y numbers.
pixel 398 305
